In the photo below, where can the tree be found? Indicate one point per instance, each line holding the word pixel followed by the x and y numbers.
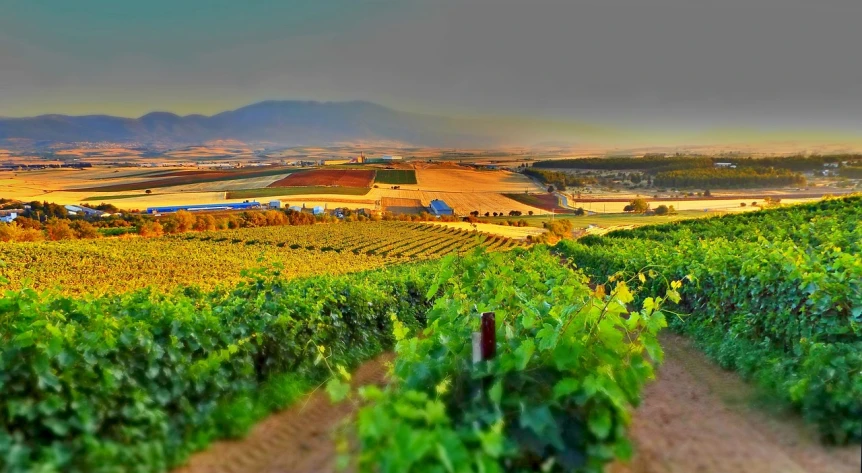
pixel 487 214
pixel 580 211
pixel 550 189
pixel 530 213
pixel 148 191
pixel 59 229
pixel 150 229
pixel 661 210
pixel 84 229
pixel 639 205
pixel 707 193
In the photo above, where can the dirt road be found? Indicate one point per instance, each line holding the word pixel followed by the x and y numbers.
pixel 696 418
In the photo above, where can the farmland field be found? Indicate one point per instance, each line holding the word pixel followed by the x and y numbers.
pixel 208 259
pixel 548 202
pixel 466 180
pixel 285 191
pixel 327 177
pixel 181 178
pixel 403 206
pixel 395 176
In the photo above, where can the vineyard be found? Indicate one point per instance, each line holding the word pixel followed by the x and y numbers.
pixel 209 259
pixel 101 377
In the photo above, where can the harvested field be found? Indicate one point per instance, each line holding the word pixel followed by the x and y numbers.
pixel 102 198
pixel 403 206
pixel 327 177
pixel 517 233
pixel 284 191
pixel 468 180
pixel 181 178
pixel 545 201
pixel 395 176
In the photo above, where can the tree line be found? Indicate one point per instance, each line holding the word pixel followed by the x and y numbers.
pixel 560 180
pixel 744 177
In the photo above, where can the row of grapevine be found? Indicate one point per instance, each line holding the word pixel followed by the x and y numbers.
pixel 136 382
pixel 571 362
pixel 776 295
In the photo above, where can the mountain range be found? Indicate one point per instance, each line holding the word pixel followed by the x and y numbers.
pixel 283 122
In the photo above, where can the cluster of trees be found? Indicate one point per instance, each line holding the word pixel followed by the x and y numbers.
pixel 513 223
pixel 557 230
pixel 512 213
pixel 558 179
pixel 744 177
pixel 26 229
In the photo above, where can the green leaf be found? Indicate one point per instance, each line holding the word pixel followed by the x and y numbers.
pixel 599 422
pixel 495 394
pixel 523 354
pixel 565 387
pixel 337 389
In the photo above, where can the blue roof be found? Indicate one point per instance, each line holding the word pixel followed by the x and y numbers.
pixel 440 206
pixel 224 206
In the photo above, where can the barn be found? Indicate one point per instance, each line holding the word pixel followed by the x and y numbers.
pixel 438 207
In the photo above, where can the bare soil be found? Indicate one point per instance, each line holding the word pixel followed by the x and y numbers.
pixel 695 418
pixel 699 418
pixel 297 440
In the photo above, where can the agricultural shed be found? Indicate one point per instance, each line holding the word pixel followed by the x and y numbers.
pixel 438 207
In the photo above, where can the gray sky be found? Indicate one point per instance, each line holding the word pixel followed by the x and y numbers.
pixel 729 63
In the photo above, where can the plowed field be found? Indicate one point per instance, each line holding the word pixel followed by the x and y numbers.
pixel 327 177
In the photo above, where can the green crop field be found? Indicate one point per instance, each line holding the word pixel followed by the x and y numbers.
pixel 307 190
pixel 395 176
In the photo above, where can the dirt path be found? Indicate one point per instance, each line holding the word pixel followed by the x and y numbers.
pixel 699 418
pixel 297 440
pixel 696 418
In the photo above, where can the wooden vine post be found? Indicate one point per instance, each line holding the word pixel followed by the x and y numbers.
pixel 485 340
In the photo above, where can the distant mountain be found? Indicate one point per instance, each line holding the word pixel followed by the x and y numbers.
pixel 283 122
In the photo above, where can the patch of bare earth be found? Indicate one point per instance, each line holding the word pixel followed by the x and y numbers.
pixel 296 440
pixel 699 418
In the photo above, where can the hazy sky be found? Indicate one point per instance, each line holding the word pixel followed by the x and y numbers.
pixel 769 63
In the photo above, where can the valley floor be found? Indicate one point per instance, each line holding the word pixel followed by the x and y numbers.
pixel 695 417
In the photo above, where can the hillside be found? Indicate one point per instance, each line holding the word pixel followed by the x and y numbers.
pixel 283 122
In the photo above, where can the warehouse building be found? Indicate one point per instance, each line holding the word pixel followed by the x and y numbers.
pixel 204 207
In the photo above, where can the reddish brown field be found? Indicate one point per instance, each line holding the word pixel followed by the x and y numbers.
pixel 326 177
